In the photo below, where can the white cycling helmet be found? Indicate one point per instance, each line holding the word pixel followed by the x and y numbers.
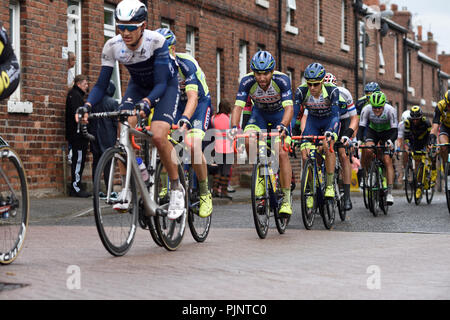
pixel 330 78
pixel 131 10
pixel 406 114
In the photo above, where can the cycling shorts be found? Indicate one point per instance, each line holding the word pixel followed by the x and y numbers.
pixel 444 130
pixel 165 108
pixel 201 117
pixel 318 126
pixel 260 120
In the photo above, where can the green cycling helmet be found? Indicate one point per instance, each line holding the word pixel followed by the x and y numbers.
pixel 378 99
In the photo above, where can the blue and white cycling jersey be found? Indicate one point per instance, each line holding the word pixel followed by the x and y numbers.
pixel 149 66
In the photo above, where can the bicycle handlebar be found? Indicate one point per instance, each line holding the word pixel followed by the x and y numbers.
pixel 254 134
pixel 313 139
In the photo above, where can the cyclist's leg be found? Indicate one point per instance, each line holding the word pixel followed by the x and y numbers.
pixel 332 125
pixel 390 173
pixel 346 166
pixel 444 134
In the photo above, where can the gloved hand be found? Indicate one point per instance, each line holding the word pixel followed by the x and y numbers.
pixel 390 144
pixel 184 121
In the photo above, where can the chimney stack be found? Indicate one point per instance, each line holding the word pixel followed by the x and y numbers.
pixel 419 33
pixel 394 7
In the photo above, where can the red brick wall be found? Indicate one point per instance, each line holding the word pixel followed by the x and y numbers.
pixel 220 24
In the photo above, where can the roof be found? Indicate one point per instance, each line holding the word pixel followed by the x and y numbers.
pixel 427 59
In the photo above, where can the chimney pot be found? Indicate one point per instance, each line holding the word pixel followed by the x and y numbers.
pixel 419 33
pixel 394 7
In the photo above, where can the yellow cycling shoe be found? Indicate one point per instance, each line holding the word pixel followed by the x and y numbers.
pixel 163 192
pixel 260 187
pixel 433 177
pixel 310 202
pixel 329 192
pixel 418 193
pixel 206 205
pixel 285 208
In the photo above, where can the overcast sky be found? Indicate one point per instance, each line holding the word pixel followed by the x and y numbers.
pixel 433 15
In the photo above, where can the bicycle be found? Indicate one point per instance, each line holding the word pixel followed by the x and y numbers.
pixel 446 175
pixel 339 182
pixel 313 186
pixel 377 185
pixel 117 228
pixel 14 204
pixel 268 203
pixel 409 178
pixel 422 177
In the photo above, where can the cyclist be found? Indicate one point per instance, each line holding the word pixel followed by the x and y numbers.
pixel 9 66
pixel 369 88
pixel 400 142
pixel 417 135
pixel 441 125
pixel 153 84
pixel 193 114
pixel 348 127
pixel 271 94
pixel 380 119
pixel 321 116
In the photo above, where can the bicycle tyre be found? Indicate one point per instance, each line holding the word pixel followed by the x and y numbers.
pixel 409 181
pixel 260 205
pixel 418 178
pixel 308 190
pixel 281 222
pixel 199 226
pixel 170 232
pixel 365 188
pixel 15 201
pixel 374 189
pixel 447 185
pixel 116 229
pixel 339 196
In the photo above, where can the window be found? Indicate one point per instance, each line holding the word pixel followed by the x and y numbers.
pixel 344 27
pixel 408 73
pixel 242 59
pixel 344 84
pixel 165 23
pixel 109 27
pixel 290 72
pixel 190 41
pixel 320 36
pixel 74 32
pixel 14 35
pixel 291 7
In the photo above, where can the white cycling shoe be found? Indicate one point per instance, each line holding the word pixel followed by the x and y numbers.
pixel 123 200
pixel 390 200
pixel 176 204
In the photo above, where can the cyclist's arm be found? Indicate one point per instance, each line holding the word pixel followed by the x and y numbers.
pixel 303 121
pixel 436 121
pixel 162 73
pixel 241 99
pixel 236 116
pixel 363 123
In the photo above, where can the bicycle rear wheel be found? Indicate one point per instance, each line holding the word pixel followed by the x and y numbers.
pixel 14 205
pixel 447 184
pixel 374 189
pixel 260 200
pixel 199 226
pixel 170 232
pixel 365 189
pixel 308 195
pixel 409 181
pixel 115 228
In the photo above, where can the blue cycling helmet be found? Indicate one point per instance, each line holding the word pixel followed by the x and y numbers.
pixel 169 35
pixel 131 10
pixel 314 72
pixel 262 61
pixel 371 87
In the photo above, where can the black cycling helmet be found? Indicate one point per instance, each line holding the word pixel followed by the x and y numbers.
pixel 416 113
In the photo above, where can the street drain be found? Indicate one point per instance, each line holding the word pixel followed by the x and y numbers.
pixel 11 286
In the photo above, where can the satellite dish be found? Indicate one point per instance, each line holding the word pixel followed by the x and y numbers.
pixel 384 29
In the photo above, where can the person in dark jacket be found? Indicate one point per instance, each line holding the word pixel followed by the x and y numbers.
pixel 80 144
pixel 104 130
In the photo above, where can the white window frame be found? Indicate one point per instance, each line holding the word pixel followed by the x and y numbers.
pixel 218 74
pixel 110 32
pixel 291 7
pixel 74 18
pixel 344 46
pixel 263 3
pixel 396 62
pixel 190 41
pixel 382 62
pixel 320 39
pixel 14 8
pixel 408 74
pixel 243 47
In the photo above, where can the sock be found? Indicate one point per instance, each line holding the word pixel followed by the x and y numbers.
pixel 287 194
pixel 175 184
pixel 389 188
pixel 346 191
pixel 330 178
pixel 203 186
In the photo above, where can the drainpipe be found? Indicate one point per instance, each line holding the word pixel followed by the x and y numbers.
pixel 356 14
pixel 280 7
pixel 405 70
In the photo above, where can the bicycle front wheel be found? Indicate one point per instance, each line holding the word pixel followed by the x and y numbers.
pixel 199 226
pixel 374 189
pixel 116 228
pixel 260 200
pixel 409 181
pixel 14 205
pixel 170 232
pixel 418 186
pixel 447 184
pixel 308 195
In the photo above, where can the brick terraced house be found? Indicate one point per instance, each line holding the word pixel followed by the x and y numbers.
pixel 222 35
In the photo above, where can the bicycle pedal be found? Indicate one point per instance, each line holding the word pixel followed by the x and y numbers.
pixel 161 212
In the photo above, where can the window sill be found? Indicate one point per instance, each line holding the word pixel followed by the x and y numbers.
pixel 291 29
pixel 20 107
pixel 345 47
pixel 381 71
pixel 412 91
pixel 263 3
pixel 398 75
pixel 321 39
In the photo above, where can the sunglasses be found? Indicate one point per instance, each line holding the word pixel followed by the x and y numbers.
pixel 313 84
pixel 129 27
pixel 377 107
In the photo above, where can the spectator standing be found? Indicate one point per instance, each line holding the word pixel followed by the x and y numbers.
pixel 75 99
pixel 223 150
pixel 71 60
pixel 104 130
